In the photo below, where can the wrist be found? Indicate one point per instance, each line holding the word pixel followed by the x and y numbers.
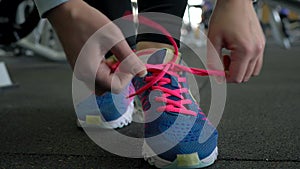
pixel 68 9
pixel 234 4
pixel 237 1
pixel 76 14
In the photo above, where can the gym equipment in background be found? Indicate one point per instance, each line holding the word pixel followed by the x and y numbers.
pixel 5 80
pixel 285 32
pixel 17 19
pixel 21 27
pixel 44 42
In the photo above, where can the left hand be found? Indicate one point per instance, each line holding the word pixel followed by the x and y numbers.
pixel 234 25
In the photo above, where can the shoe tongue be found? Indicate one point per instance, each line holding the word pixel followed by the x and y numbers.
pixel 157 57
pixel 164 56
pixel 160 56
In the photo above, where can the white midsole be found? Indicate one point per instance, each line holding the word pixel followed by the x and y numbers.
pixel 154 159
pixel 124 120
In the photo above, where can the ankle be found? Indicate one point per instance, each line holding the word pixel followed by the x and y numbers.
pixel 146 45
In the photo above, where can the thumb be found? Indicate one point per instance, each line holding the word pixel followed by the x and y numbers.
pixel 214 54
pixel 129 62
pixel 129 67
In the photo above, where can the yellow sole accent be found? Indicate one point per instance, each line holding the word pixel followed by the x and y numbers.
pixel 93 120
pixel 188 160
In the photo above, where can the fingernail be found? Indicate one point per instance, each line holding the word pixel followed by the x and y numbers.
pixel 139 70
pixel 246 80
pixel 143 73
pixel 220 79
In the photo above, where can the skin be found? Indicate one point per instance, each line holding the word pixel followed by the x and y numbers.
pixel 69 16
pixel 234 26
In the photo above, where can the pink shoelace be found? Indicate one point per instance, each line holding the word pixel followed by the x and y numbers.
pixel 158 71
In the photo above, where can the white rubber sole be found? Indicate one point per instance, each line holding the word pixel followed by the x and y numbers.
pixel 96 121
pixel 187 161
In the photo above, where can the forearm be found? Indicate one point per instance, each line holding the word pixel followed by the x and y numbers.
pixel 76 14
pixel 75 22
pixel 237 2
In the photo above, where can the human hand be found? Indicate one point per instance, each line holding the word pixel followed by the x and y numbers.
pixel 75 22
pixel 234 25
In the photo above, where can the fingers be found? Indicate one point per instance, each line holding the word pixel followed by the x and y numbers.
pixel 111 38
pixel 129 61
pixel 258 66
pixel 103 78
pixel 246 61
pixel 259 62
pixel 238 67
pixel 128 68
pixel 242 35
pixel 214 50
pixel 122 51
pixel 249 72
pixel 226 62
pixel 116 81
pixel 260 49
pixel 96 72
pixel 254 66
pixel 119 81
pixel 247 56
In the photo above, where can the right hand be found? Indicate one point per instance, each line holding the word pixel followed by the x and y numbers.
pixel 75 22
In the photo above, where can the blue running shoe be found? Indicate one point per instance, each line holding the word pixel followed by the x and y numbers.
pixel 106 111
pixel 177 132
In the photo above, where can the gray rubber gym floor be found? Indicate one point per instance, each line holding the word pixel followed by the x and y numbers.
pixel 260 127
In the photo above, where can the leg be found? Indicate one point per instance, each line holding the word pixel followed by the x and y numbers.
pixel 172 7
pixel 115 9
pixel 177 132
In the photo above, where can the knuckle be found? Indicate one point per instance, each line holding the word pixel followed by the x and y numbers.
pixel 254 50
pixel 264 42
pixel 236 80
pixel 247 49
pixel 246 79
pixel 260 47
pixel 117 90
pixel 83 76
pixel 256 72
